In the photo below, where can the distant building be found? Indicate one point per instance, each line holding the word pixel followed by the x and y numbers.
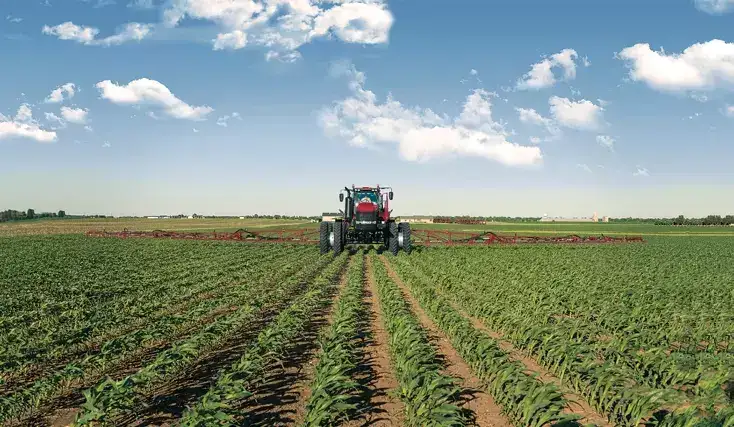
pixel 329 216
pixel 417 219
pixel 605 219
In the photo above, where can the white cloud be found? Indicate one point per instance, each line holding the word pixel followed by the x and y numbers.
pixel 541 74
pixel 141 4
pixel 585 61
pixel 529 115
pixel 606 141
pixel 729 111
pixel 582 115
pixel 195 130
pixel 583 167
pixel 222 121
pixel 74 115
pixel 88 128
pixel 715 7
pixel 701 66
pixel 282 26
pixel 23 126
pixel 132 31
pixel 13 19
pixel 699 97
pixel 641 172
pixel 473 72
pixel 147 91
pixel 420 134
pixel 24 114
pixel 57 95
pixel 56 121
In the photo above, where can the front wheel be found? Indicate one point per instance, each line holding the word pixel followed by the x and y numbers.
pixel 324 237
pixel 339 237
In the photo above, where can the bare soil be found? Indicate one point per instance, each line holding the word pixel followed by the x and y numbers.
pixel 378 376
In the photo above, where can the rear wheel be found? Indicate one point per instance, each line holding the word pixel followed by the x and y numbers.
pixel 392 240
pixel 324 237
pixel 404 237
pixel 338 237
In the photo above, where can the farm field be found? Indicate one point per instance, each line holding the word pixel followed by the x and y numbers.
pixel 100 331
pixel 80 226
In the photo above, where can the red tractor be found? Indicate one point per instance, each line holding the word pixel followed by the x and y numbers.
pixel 364 220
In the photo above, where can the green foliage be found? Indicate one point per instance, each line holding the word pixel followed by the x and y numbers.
pixel 333 388
pixel 430 397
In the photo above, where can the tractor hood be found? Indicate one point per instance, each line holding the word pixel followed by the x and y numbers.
pixel 366 207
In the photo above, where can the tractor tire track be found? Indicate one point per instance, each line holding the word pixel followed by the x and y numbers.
pixel 481 404
pixel 378 376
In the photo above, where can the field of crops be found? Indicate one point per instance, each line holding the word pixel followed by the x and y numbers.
pixel 171 332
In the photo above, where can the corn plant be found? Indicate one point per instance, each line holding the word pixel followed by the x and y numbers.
pixel 333 388
pixel 430 397
pixel 219 406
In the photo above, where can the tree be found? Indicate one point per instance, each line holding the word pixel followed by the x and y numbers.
pixel 61 214
pixel 30 214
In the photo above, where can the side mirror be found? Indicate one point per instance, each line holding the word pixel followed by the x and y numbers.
pixel 389 195
pixel 341 197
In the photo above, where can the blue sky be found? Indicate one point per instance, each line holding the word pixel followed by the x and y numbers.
pixel 495 107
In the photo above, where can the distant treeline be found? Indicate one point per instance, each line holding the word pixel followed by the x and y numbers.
pixel 13 215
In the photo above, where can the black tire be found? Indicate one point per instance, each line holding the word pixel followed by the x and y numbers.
pixel 338 238
pixel 392 242
pixel 324 237
pixel 404 228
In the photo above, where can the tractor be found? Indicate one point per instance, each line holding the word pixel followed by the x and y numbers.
pixel 364 220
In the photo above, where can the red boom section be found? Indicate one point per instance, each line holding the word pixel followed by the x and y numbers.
pixel 421 237
pixel 284 235
pixel 451 238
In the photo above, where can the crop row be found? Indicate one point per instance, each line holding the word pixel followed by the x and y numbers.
pixel 430 397
pixel 333 389
pixel 156 303
pixel 560 344
pixel 219 405
pixel 525 399
pixel 113 398
pixel 118 350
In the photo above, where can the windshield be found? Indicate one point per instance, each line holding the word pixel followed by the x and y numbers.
pixel 365 196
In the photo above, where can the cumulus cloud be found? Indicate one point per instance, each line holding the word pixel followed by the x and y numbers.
pixel 282 26
pixel 529 115
pixel 419 133
pixel 541 74
pixel 132 31
pixel 56 121
pixel 702 66
pixel 57 95
pixel 24 126
pixel 715 7
pixel 606 141
pixel 151 92
pixel 75 115
pixel 582 115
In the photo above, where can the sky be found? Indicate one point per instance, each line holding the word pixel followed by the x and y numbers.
pixel 467 107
